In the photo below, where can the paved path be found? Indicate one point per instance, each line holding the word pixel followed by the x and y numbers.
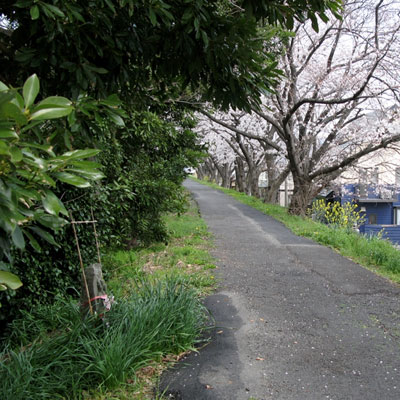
pixel 295 320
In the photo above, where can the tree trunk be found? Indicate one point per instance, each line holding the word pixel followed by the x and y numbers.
pixel 274 183
pixel 226 175
pixel 239 172
pixel 272 195
pixel 200 172
pixel 303 193
pixel 253 182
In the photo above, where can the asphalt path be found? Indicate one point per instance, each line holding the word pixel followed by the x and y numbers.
pixel 293 320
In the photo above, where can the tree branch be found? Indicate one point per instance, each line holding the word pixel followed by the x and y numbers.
pixel 369 149
pixel 239 131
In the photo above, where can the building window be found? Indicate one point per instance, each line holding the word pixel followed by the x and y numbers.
pixel 372 219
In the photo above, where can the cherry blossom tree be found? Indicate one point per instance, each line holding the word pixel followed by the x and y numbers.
pixel 249 141
pixel 334 80
pixel 220 162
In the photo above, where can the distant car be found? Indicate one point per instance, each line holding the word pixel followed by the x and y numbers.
pixel 189 170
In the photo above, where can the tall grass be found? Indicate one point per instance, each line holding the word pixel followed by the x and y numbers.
pixel 372 252
pixel 53 357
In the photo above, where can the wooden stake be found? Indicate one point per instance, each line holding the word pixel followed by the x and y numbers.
pixel 82 268
pixel 95 236
pixel 83 222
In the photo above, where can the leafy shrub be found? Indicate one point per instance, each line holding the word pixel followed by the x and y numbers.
pixel 143 161
pixel 30 166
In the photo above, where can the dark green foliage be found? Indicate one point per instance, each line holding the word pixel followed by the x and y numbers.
pixel 66 356
pixel 139 47
pixel 143 171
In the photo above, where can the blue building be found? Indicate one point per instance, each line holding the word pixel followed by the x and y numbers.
pixel 380 206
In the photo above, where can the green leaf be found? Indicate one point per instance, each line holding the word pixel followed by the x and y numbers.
pixel 16 154
pixel 52 204
pixel 4 149
pixel 110 5
pixel 91 175
pixel 153 18
pixel 18 238
pixel 41 178
pixel 50 221
pixel 77 16
pixel 32 159
pixel 72 118
pixel 72 179
pixel 18 100
pixel 32 241
pixel 3 87
pixel 86 165
pixel 30 90
pixel 10 280
pixel 44 147
pixel 50 113
pixel 12 111
pixel 29 126
pixel 112 101
pixel 5 97
pixel 314 22
pixel 116 119
pixel 53 102
pixel 205 38
pixel 28 194
pixel 8 218
pixel 54 10
pixel 8 133
pixel 44 235
pixel 80 153
pixel 196 24
pixel 34 12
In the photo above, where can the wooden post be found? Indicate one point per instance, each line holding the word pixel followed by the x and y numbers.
pixel 95 236
pixel 81 263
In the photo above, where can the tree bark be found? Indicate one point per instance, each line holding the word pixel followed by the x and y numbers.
pixel 240 175
pixel 303 193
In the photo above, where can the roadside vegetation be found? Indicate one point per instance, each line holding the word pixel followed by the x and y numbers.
pixel 375 253
pixel 157 316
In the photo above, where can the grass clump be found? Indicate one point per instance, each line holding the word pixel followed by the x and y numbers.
pixel 373 252
pixel 78 356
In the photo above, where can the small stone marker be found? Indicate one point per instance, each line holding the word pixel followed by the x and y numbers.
pixel 97 291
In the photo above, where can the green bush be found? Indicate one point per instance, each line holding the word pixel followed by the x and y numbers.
pixel 143 170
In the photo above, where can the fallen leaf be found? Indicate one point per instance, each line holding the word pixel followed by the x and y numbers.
pixel 259 359
pixel 219 332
